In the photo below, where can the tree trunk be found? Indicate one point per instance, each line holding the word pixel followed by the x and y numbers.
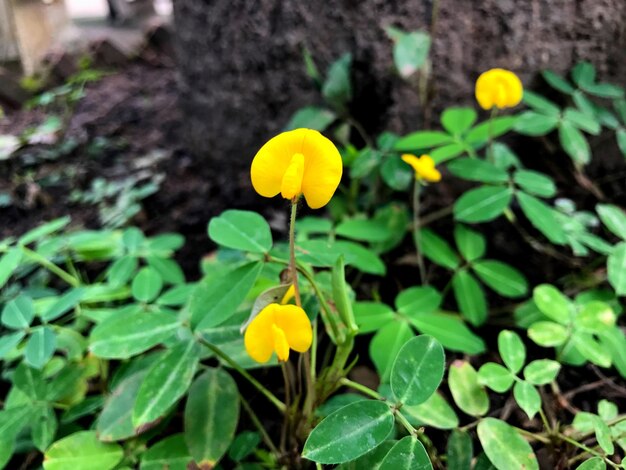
pixel 242 72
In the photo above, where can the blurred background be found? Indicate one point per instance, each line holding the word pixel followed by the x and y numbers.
pixel 151 111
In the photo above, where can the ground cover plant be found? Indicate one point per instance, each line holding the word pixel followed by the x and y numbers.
pixel 384 333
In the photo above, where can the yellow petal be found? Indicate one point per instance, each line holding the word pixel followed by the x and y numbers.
pixel 297 327
pixel 280 344
pixel 258 339
pixel 323 168
pixel 291 184
pixel 498 87
pixel 272 160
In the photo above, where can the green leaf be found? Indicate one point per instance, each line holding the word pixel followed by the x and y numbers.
pixel 541 104
pixel 553 304
pixel 311 117
pixel 211 416
pixel 168 269
pixel 482 204
pixel 43 427
pixel 535 124
pixel 337 88
pixel 603 435
pixel 543 217
pixel 30 381
pixel 215 300
pixel 417 370
pixel 243 445
pixel 591 349
pixel 450 331
pixel 613 218
pixel 349 432
pixel 40 347
pixel 370 460
pixel 396 174
pixel 115 423
pixel 583 73
pixel 616 268
pixel 541 371
pixel 385 346
pixel 469 297
pixel 44 230
pixel 410 51
pixel 422 140
pixel 604 90
pixel 146 285
pixel 470 243
pixel 9 263
pixel 496 377
pixel 467 392
pixel 582 121
pixel 595 317
pixel 434 412
pixel 8 342
pixel 437 249
pixel 594 463
pixel 66 382
pixel 445 153
pixel 13 420
pixel 176 296
pixel 360 257
pixel 495 127
pixel 574 143
pixel 371 316
pixel 79 451
pixel 66 302
pixel 408 453
pixel 124 336
pixel 477 170
pixel 170 453
pixel 614 342
pixel 620 135
pixel 166 382
pixel 460 450
pixel 241 230
pixel 512 350
pixel 547 333
pixel 416 300
pixel 502 278
pixel 527 397
pixel 18 313
pixel 504 446
pixel 458 120
pixel 535 183
pixel 557 82
pixel 363 230
pixel 365 162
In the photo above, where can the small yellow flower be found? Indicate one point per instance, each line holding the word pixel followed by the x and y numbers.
pixel 500 88
pixel 424 167
pixel 301 161
pixel 278 328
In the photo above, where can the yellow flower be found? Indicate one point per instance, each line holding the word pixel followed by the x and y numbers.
pixel 500 88
pixel 424 167
pixel 301 161
pixel 278 328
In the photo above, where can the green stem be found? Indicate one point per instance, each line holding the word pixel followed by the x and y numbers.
pixel 532 435
pixel 546 424
pixel 257 423
pixel 50 266
pixel 361 388
pixel 587 449
pixel 416 230
pixel 222 355
pixel 404 422
pixel 292 251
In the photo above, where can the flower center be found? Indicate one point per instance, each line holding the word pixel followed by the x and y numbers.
pixel 281 346
pixel 291 185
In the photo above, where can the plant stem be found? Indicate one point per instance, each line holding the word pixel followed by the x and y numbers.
pixel 546 424
pixel 490 157
pixel 292 251
pixel 404 422
pixel 532 435
pixel 222 355
pixel 257 423
pixel 587 449
pixel 50 266
pixel 416 230
pixel 287 420
pixel 361 388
